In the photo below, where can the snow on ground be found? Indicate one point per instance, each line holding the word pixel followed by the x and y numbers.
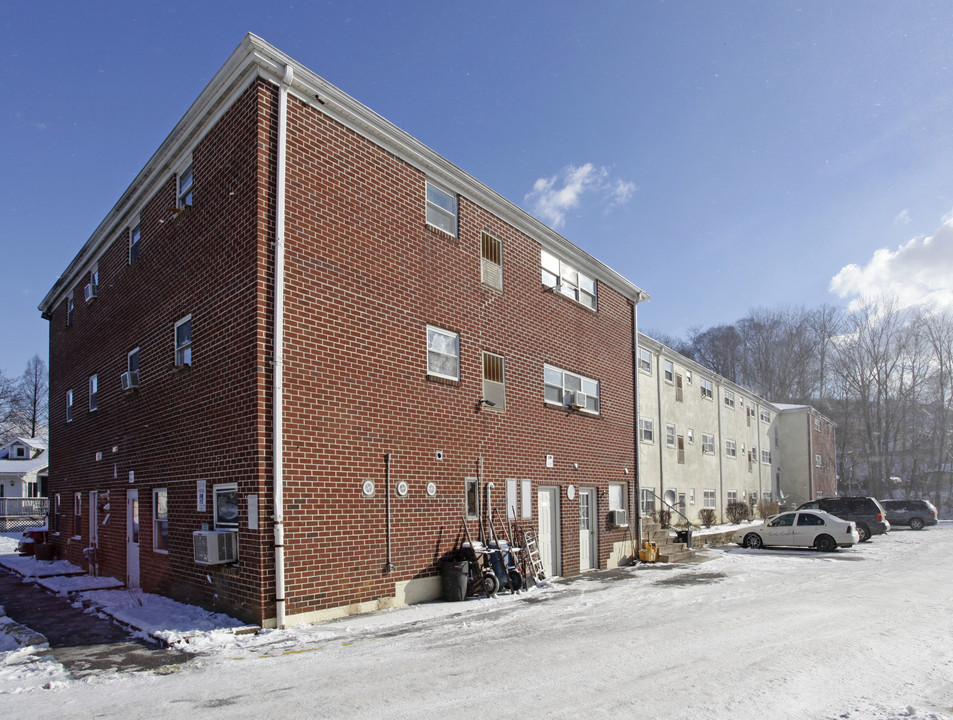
pixel 864 633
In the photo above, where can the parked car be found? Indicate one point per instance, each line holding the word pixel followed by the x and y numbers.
pixel 915 513
pixel 809 528
pixel 866 512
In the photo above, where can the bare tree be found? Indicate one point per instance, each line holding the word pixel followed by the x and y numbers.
pixel 33 396
pixel 9 409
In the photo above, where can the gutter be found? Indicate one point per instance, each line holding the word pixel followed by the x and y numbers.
pixel 636 500
pixel 279 306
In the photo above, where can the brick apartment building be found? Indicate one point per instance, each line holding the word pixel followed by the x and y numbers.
pixel 439 350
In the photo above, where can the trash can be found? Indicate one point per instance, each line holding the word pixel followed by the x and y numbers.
pixel 684 536
pixel 454 576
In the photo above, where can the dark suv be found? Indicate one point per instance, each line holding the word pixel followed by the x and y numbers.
pixel 915 513
pixel 866 513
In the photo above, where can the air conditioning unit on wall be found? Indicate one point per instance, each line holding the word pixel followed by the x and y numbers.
pixel 90 291
pixel 578 400
pixel 215 547
pixel 619 518
pixel 130 380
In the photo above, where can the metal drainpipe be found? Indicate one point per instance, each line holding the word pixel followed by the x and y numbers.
pixel 810 458
pixel 277 443
pixel 388 565
pixel 637 486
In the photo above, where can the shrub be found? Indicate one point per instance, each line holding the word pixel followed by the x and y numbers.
pixel 766 509
pixel 707 517
pixel 737 512
pixel 663 517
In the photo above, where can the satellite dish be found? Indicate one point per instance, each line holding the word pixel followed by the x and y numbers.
pixel 669 498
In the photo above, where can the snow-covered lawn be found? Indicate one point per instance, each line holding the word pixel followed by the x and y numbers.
pixel 864 633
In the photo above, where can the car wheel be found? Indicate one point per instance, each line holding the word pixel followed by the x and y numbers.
pixel 490 584
pixel 753 540
pixel 825 543
pixel 916 524
pixel 864 533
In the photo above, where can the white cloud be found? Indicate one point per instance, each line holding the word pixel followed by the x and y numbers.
pixel 551 198
pixel 903 217
pixel 919 272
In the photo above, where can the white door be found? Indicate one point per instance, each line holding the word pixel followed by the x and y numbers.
pixel 132 538
pixel 93 530
pixel 588 554
pixel 548 530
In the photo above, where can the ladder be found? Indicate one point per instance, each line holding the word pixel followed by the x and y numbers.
pixel 531 548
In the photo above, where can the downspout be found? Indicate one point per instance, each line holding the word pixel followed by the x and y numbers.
pixel 720 400
pixel 810 459
pixel 636 500
pixel 279 306
pixel 388 565
pixel 661 429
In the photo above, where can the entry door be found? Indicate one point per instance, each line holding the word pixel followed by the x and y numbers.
pixel 132 538
pixel 93 530
pixel 588 553
pixel 548 529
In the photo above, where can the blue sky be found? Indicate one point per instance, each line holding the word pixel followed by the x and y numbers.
pixel 722 156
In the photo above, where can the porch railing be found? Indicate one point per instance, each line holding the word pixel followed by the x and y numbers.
pixel 20 513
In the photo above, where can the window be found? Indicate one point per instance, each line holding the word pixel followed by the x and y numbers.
pixel 732 496
pixel 93 391
pixel 183 341
pixel 512 499
pixel 494 388
pixel 132 366
pixel 706 388
pixel 766 456
pixel 69 406
pixel 708 444
pixel 731 448
pixel 472 499
pixel 160 520
pixel 647 504
pixel 225 497
pixel 93 282
pixel 817 461
pixel 184 196
pixel 691 496
pixel 678 388
pixel 786 520
pixel 77 514
pixel 568 389
pixel 134 237
pixel 766 496
pixel 491 262
pixel 69 309
pixel 647 430
pixel 443 353
pixel 730 399
pixel 765 415
pixel 669 371
pixel 567 280
pixel 645 360
pixel 617 496
pixel 691 436
pixel 57 509
pixel 670 435
pixel 817 423
pixel 709 499
pixel 441 209
pixel 688 376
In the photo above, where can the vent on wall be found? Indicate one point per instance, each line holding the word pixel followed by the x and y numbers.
pixel 215 547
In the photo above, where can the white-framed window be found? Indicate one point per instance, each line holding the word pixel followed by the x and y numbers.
pixel 569 389
pixel 732 496
pixel 443 353
pixel 69 406
pixel 491 261
pixel 708 443
pixel 709 499
pixel 645 361
pixel 647 430
pixel 183 341
pixel 707 389
pixel 494 383
pixel 691 496
pixel 817 423
pixel 617 493
pixel 817 461
pixel 670 435
pixel 765 415
pixel 766 457
pixel 160 520
pixel 730 399
pixel 688 377
pixel 225 505
pixel 731 448
pixel 567 280
pixel 93 392
pixel 132 363
pixel 77 514
pixel 471 498
pixel 766 496
pixel 669 371
pixel 69 309
pixel 93 282
pixel 184 184
pixel 135 235
pixel 647 501
pixel 441 209
pixel 691 436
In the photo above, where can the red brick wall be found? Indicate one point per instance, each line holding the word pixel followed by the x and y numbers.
pixel 822 441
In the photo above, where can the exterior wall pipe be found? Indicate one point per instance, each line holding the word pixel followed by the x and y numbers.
pixel 277 441
pixel 636 500
pixel 810 457
pixel 388 564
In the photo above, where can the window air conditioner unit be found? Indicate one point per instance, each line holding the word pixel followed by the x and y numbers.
pixel 578 400
pixel 619 518
pixel 90 291
pixel 215 547
pixel 130 380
